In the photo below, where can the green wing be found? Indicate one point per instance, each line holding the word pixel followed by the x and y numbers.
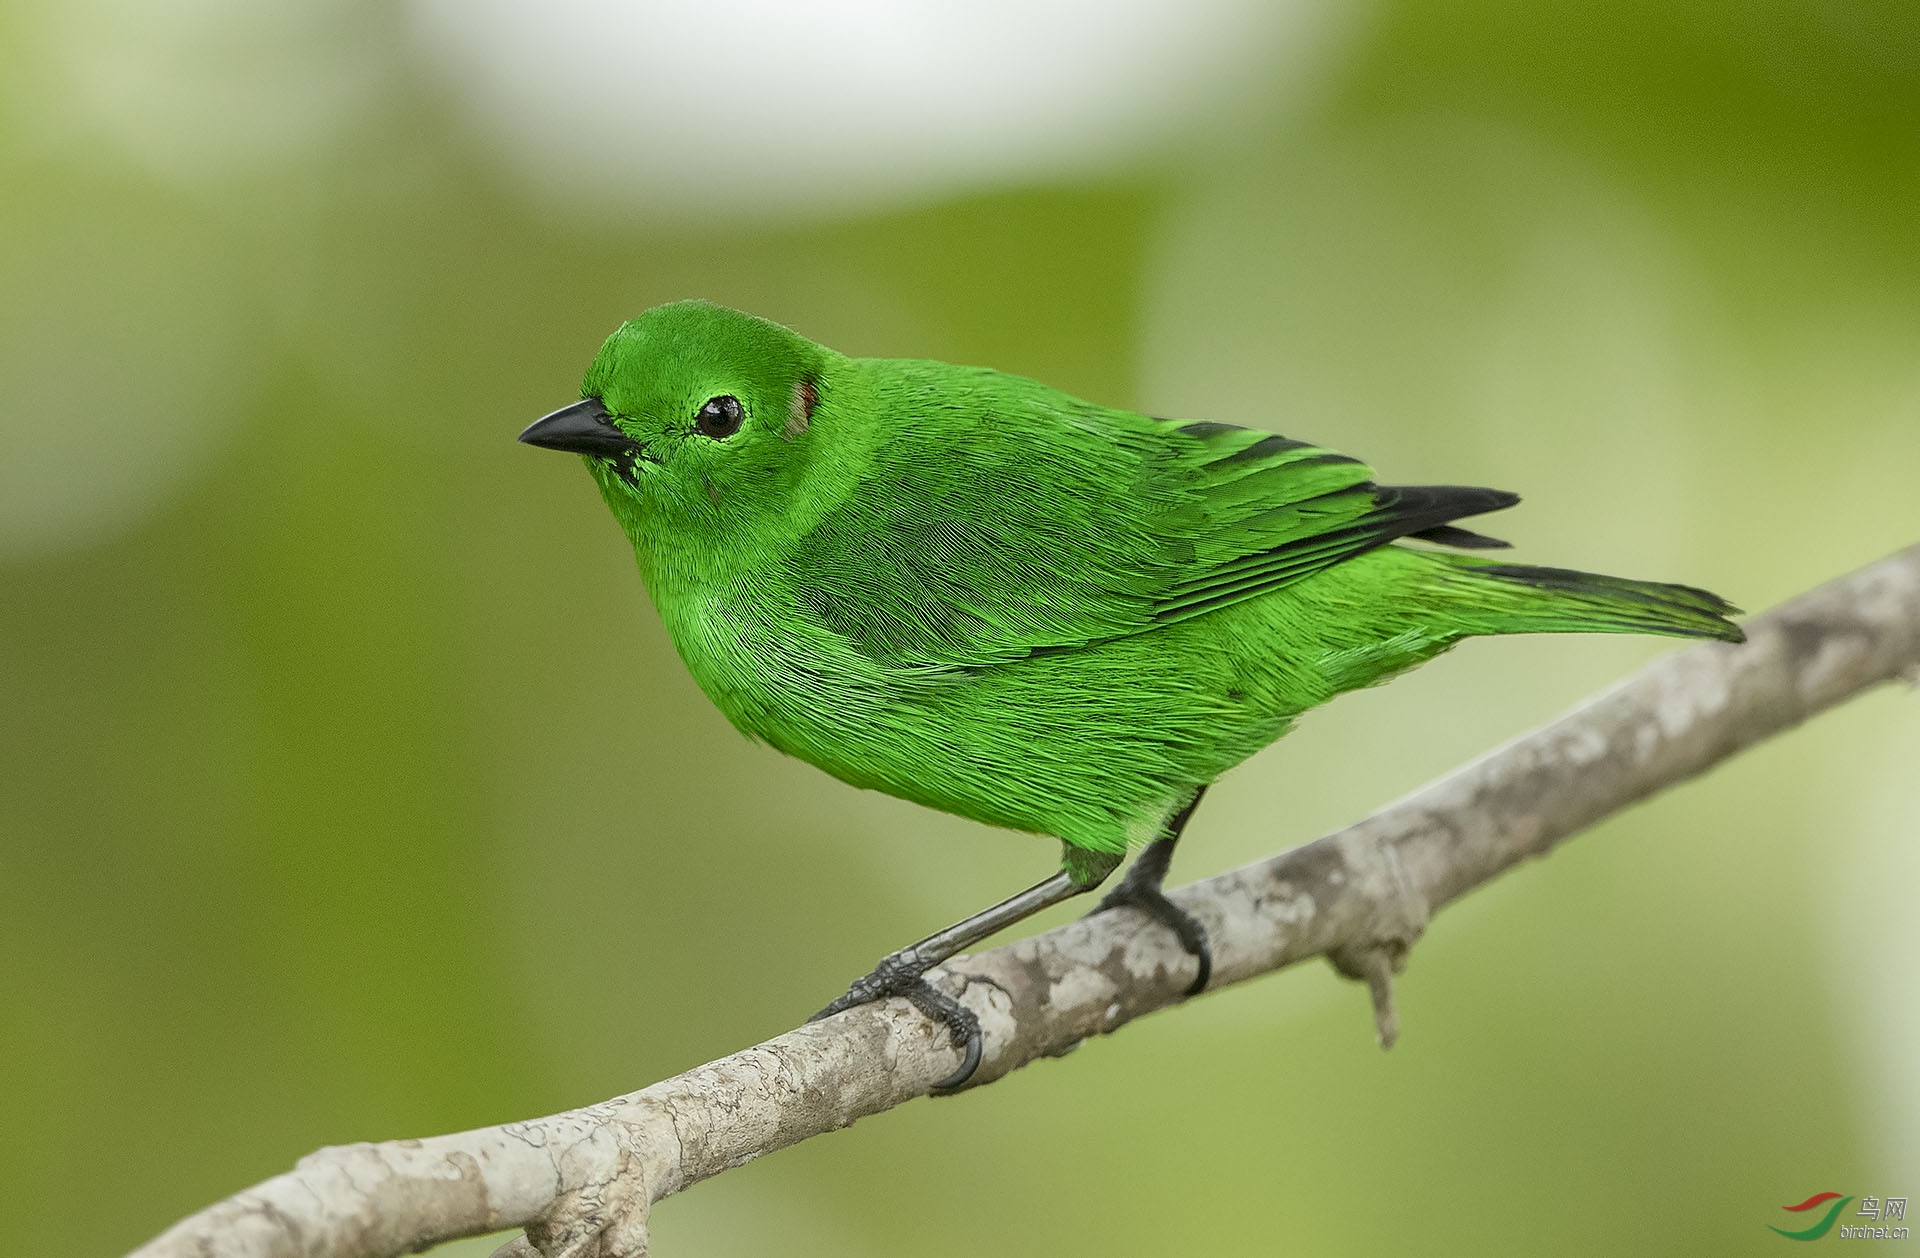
pixel 1279 510
pixel 1001 519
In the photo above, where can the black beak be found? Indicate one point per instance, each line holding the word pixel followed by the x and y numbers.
pixel 583 428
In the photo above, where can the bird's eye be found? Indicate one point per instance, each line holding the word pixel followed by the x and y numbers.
pixel 720 417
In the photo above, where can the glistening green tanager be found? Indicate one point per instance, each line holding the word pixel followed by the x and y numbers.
pixel 974 591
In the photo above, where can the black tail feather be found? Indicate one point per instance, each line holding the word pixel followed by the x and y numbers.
pixel 1592 601
pixel 1464 539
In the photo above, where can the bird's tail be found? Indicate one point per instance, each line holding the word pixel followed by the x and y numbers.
pixel 1517 598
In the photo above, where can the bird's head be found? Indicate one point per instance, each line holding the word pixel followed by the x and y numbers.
pixel 691 414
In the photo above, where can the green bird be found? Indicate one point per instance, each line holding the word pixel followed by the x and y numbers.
pixel 971 590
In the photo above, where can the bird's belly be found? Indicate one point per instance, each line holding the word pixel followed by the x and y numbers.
pixel 1089 745
pixel 1094 747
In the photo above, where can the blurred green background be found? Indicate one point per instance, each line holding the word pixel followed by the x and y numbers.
pixel 353 791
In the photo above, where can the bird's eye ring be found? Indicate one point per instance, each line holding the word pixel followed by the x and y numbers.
pixel 720 417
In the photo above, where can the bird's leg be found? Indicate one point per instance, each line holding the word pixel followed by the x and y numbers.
pixel 899 973
pixel 1140 889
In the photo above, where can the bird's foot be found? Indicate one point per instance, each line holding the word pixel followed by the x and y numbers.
pixel 1150 899
pixel 901 975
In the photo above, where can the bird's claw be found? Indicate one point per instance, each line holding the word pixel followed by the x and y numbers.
pixel 897 976
pixel 1152 901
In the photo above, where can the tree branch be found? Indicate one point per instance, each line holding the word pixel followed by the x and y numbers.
pixel 581 1182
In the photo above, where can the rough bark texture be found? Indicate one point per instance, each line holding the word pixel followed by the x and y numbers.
pixel 581 1183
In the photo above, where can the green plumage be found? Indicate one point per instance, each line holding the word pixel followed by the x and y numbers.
pixel 971 590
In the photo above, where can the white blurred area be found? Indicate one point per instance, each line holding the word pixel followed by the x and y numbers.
pixel 744 109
